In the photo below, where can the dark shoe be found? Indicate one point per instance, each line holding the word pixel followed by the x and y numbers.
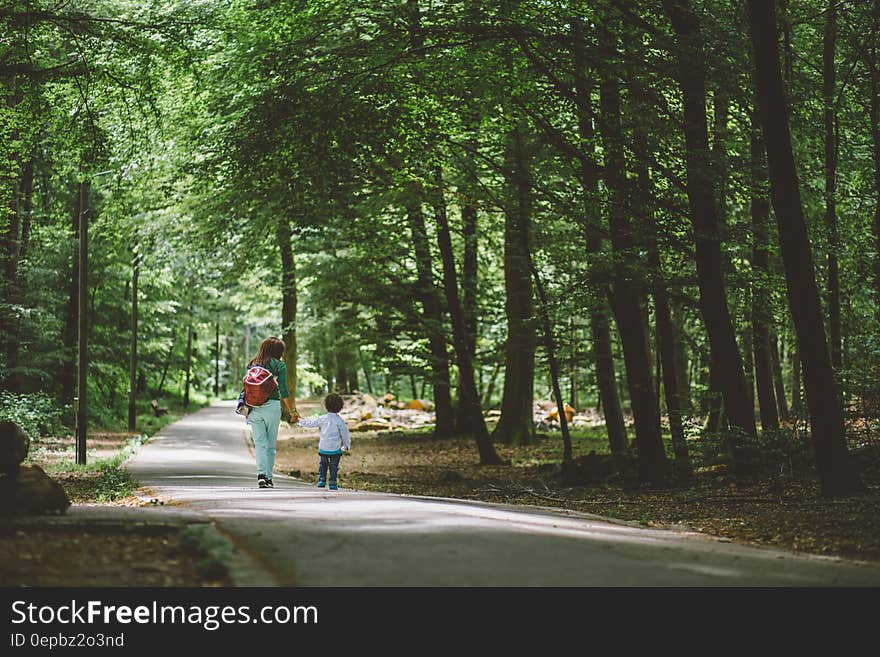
pixel 269 483
pixel 321 483
pixel 262 482
pixel 332 486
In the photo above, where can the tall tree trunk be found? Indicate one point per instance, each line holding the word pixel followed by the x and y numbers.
pixel 797 407
pixel 27 206
pixel 133 351
pixel 778 380
pixel 82 328
pixel 25 209
pixel 720 168
pixel 787 53
pixel 573 368
pixel 716 419
pixel 488 456
pixel 682 364
pixel 342 375
pixel 68 370
pixel 599 324
pixel 468 287
pixel 874 114
pixel 432 315
pixel 516 424
pixel 643 211
pixel 189 341
pixel 828 93
pixel 748 340
pixel 18 235
pixel 431 307
pixel 714 399
pixel 490 386
pixel 10 229
pixel 161 387
pixel 713 295
pixel 606 380
pixel 363 363
pixel 10 319
pixel 216 359
pixel 353 385
pixel 232 364
pixel 836 473
pixel 665 332
pixel 627 293
pixel 762 311
pixel 550 346
pixel 288 302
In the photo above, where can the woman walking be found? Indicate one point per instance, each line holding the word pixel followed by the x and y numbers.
pixel 265 418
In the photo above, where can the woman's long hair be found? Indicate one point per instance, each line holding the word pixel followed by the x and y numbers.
pixel 270 348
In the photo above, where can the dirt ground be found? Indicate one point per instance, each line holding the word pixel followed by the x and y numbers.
pixel 56 456
pixel 784 511
pixel 37 551
pixel 98 556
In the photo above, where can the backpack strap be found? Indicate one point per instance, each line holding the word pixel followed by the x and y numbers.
pixel 267 366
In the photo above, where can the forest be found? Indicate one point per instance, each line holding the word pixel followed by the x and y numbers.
pixel 665 211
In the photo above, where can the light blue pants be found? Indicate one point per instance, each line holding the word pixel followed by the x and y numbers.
pixel 265 420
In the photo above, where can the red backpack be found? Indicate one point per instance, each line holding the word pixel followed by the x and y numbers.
pixel 259 384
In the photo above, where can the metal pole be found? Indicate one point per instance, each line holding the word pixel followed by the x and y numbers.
pixel 189 342
pixel 216 359
pixel 132 370
pixel 83 325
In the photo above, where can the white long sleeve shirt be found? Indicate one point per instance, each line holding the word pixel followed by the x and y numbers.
pixel 334 432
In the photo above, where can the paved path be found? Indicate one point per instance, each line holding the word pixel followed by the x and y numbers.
pixel 304 536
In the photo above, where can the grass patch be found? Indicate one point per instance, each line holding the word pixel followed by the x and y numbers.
pixel 100 480
pixel 100 464
pixel 114 483
pixel 208 549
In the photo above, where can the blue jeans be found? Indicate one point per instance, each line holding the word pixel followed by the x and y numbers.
pixel 265 420
pixel 330 461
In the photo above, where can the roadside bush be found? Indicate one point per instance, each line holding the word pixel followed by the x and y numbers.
pixel 783 448
pixel 786 448
pixel 37 413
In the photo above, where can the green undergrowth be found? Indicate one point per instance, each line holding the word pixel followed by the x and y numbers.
pixel 209 550
pixel 100 480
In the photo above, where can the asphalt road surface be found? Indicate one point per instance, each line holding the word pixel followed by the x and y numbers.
pixel 299 535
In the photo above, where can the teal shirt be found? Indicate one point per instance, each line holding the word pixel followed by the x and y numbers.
pixel 279 369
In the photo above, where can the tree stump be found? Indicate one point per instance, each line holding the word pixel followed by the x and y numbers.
pixel 14 445
pixel 590 469
pixel 30 490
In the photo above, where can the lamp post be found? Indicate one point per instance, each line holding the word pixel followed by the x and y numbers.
pixel 82 417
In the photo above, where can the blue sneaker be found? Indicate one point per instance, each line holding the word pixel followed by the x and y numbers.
pixel 320 483
pixel 332 486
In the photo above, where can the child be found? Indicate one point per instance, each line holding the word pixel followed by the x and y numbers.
pixel 241 408
pixel 335 438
